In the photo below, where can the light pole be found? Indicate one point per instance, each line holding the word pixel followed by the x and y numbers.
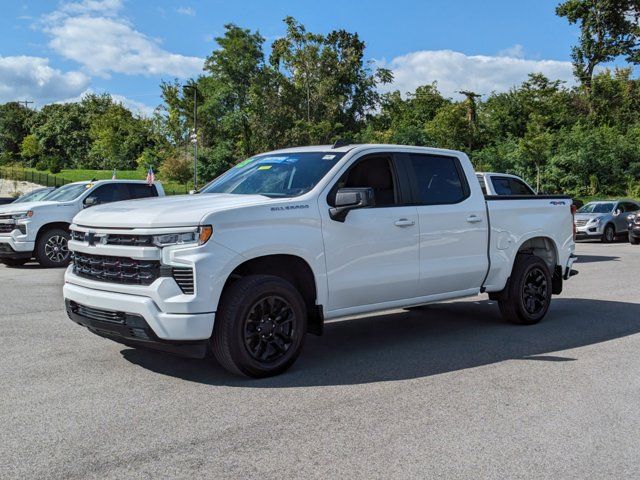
pixel 194 136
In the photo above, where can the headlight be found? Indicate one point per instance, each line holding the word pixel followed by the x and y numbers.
pixel 22 215
pixel 596 220
pixel 197 237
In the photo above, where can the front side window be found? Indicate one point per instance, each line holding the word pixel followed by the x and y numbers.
pixel 111 192
pixel 278 175
pixel 440 180
pixel 373 171
pixel 67 193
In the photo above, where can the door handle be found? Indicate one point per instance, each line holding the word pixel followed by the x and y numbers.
pixel 474 219
pixel 404 222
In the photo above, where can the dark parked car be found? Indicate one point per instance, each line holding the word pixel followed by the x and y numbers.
pixel 5 200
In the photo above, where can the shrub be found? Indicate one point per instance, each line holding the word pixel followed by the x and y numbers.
pixel 55 164
pixel 176 168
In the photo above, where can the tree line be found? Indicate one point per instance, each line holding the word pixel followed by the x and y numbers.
pixel 314 88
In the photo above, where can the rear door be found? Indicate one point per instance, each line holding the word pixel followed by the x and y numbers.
pixel 453 224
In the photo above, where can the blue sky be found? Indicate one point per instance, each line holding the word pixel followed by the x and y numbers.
pixel 58 50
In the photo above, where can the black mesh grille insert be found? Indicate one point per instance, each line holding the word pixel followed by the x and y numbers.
pixel 115 269
pixel 184 278
pixel 7 227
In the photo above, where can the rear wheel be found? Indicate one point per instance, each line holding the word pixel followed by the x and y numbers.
pixel 609 234
pixel 52 249
pixel 260 326
pixel 528 294
pixel 14 262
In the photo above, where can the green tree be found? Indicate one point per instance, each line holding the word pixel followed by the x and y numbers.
pixel 30 148
pixel 15 122
pixel 608 29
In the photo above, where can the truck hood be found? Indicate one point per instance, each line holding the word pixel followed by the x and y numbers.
pixel 176 211
pixel 23 207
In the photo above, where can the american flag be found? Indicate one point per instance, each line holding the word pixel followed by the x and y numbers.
pixel 150 176
pixel 113 177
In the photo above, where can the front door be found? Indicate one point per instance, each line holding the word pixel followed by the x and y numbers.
pixel 372 257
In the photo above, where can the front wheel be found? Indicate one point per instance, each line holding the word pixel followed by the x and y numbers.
pixel 609 234
pixel 260 326
pixel 528 294
pixel 52 249
pixel 633 240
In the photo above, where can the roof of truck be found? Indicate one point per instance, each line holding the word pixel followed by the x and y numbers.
pixel 358 146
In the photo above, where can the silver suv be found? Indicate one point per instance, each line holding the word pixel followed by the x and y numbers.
pixel 604 219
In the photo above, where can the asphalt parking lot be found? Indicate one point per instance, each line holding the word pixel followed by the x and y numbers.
pixel 450 391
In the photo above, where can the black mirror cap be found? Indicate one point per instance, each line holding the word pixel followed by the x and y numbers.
pixel 349 199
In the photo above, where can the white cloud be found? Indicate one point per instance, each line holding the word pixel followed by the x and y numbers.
pixel 94 34
pixel 31 78
pixel 515 51
pixel 186 11
pixel 455 71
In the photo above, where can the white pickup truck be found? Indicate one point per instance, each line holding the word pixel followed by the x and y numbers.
pixel 40 229
pixel 288 239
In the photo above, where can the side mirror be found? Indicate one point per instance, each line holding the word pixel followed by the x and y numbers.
pixel 91 201
pixel 348 199
pixel 617 212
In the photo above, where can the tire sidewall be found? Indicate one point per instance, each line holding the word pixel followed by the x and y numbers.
pixel 40 248
pixel 529 264
pixel 239 354
pixel 605 237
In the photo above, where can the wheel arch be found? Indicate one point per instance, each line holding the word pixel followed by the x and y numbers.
pixel 50 226
pixel 292 268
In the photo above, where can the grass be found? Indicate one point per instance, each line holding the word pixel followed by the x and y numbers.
pixel 77 175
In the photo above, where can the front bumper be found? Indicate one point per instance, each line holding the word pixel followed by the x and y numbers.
pixel 7 251
pixel 588 231
pixel 165 326
pixel 131 330
pixel 14 247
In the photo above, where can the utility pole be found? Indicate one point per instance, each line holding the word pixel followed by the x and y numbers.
pixel 25 103
pixel 471 114
pixel 194 136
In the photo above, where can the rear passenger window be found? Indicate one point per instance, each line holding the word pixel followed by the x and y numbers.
pixel 140 190
pixel 439 180
pixel 510 186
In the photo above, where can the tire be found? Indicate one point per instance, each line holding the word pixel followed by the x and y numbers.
pixel 247 339
pixel 609 234
pixel 14 262
pixel 633 240
pixel 528 293
pixel 52 250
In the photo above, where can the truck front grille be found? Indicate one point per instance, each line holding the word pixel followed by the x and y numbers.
pixel 7 227
pixel 581 223
pixel 113 239
pixel 115 269
pixel 129 271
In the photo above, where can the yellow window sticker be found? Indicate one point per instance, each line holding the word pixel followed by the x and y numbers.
pixel 264 167
pixel 88 185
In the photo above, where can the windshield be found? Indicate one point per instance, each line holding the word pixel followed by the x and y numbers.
pixel 282 175
pixel 33 196
pixel 597 208
pixel 67 193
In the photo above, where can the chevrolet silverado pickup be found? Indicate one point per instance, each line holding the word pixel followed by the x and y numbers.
pixel 40 229
pixel 288 239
